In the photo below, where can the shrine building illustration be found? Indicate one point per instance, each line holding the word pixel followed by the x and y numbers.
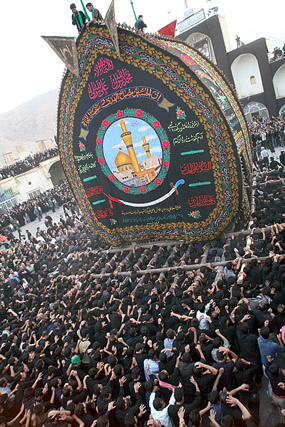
pixel 130 171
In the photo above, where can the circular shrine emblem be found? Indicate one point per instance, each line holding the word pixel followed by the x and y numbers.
pixel 135 150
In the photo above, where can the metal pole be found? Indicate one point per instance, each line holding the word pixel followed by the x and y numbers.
pixel 134 10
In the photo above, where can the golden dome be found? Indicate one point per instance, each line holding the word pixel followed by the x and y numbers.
pixel 122 159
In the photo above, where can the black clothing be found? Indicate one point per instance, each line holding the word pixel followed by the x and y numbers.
pixel 173 410
pixel 140 25
pixel 120 414
pixel 76 20
pixel 249 347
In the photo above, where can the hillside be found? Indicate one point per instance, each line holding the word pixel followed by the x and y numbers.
pixel 29 122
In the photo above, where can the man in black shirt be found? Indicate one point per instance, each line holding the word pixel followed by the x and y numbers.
pixel 179 402
pixel 78 18
pixel 140 25
pixel 244 375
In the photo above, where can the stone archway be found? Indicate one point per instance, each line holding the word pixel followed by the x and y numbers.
pixel 255 109
pixel 203 43
pixel 279 82
pixel 56 173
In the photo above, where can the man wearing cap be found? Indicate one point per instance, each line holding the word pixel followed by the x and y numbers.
pixel 76 366
pixel 96 15
pixel 78 18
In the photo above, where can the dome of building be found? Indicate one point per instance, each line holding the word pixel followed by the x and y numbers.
pixel 122 159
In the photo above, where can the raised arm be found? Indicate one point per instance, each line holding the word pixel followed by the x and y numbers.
pixel 233 401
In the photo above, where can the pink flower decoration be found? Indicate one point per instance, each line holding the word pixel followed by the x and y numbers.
pixel 119 114
pixel 165 144
pixel 105 123
pixel 143 189
pixel 179 113
pixel 158 181
pixel 111 178
pixel 81 145
pixel 194 214
pixel 126 189
pixel 101 160
pixel 166 164
pixel 139 113
pixel 99 141
pixel 156 124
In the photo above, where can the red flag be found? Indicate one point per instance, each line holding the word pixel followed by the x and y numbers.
pixel 168 30
pixel 186 5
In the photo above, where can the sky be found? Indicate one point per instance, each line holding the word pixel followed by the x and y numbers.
pixel 29 67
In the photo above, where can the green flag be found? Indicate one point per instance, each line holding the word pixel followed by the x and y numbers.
pixel 85 11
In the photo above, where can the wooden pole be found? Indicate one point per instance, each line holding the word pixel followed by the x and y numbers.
pixel 179 242
pixel 182 267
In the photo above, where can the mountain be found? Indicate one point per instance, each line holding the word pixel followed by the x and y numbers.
pixel 28 123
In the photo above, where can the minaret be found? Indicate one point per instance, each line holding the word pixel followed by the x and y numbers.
pixel 127 138
pixel 146 147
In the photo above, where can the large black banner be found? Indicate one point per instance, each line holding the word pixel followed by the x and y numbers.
pixel 144 144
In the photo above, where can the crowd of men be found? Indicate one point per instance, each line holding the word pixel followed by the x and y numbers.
pixel 267 134
pixel 27 163
pixel 89 335
pixel 36 207
pixel 278 53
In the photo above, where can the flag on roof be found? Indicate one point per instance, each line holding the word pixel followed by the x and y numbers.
pixel 168 30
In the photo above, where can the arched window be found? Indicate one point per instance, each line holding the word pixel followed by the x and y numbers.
pixel 252 80
pixel 279 82
pixel 246 75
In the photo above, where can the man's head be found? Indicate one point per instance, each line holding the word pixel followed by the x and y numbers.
pixel 227 421
pixel 221 356
pixel 240 365
pixel 244 328
pixel 158 404
pixel 102 421
pixel 141 17
pixel 265 332
pixel 179 395
pixel 163 376
pixel 195 417
pixel 73 7
pixel 274 369
pixel 262 305
pixel 122 403
pixel 89 6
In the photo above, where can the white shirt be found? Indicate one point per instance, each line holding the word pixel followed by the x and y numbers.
pixel 162 415
pixel 203 323
pixel 264 153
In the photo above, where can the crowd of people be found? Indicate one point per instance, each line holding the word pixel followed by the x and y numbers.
pixel 267 134
pixel 81 19
pixel 278 53
pixel 27 163
pixel 36 207
pixel 93 336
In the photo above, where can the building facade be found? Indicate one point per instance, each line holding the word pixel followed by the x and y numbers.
pixel 25 186
pixel 259 82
